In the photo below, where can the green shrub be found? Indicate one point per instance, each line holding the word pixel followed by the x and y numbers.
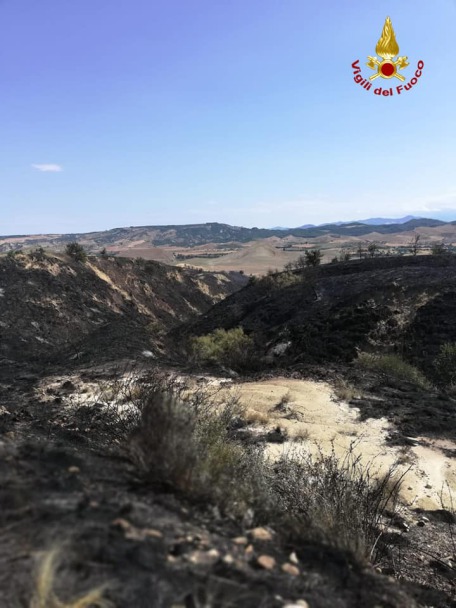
pixel 38 254
pixel 394 366
pixel 76 251
pixel 445 363
pixel 279 280
pixel 225 347
pixel 313 257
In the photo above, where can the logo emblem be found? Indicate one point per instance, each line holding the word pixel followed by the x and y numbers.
pixel 387 64
pixel 387 48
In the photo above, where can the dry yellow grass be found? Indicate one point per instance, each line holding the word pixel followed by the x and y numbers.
pixel 45 597
pixel 256 417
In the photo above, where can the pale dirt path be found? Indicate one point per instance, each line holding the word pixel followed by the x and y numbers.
pixel 324 422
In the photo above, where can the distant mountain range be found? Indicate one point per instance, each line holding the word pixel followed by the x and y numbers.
pixel 191 235
pixel 372 221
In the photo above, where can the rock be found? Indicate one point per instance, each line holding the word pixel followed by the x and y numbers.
pixel 204 558
pixel 293 558
pixel 276 436
pixel 298 604
pixel 421 524
pixel 290 569
pixel 240 540
pixel 132 533
pixel 247 520
pixel 228 560
pixel 151 533
pixel 261 534
pixel 74 470
pixel 267 562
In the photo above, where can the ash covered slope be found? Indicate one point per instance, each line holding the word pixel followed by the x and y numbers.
pixel 337 309
pixel 53 307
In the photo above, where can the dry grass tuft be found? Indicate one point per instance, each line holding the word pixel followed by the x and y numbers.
pixel 345 391
pixel 255 417
pixel 45 596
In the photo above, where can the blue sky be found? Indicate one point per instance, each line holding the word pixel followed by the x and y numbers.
pixel 244 112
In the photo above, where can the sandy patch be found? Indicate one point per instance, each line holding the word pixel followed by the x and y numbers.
pixel 313 413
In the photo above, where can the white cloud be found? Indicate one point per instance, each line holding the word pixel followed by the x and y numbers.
pixel 48 168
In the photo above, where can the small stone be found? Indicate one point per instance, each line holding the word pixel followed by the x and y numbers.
pixel 240 540
pixel 266 562
pixel 74 470
pixel 261 534
pixel 151 533
pixel 293 558
pixel 298 604
pixel 121 523
pixel 290 569
pixel 249 550
pixel 247 520
pixel 228 560
pixel 204 558
pixel 421 524
pixel 133 533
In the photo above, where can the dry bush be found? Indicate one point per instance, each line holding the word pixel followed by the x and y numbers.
pixel 45 594
pixel 185 442
pixel 334 500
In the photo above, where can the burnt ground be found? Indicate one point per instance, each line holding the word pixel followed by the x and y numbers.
pixel 66 480
pixel 328 314
pixel 55 309
pixel 67 483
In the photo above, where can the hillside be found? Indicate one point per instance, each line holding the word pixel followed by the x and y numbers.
pixel 53 308
pixel 356 304
pixel 322 321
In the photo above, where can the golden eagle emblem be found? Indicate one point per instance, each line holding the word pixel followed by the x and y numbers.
pixel 387 48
